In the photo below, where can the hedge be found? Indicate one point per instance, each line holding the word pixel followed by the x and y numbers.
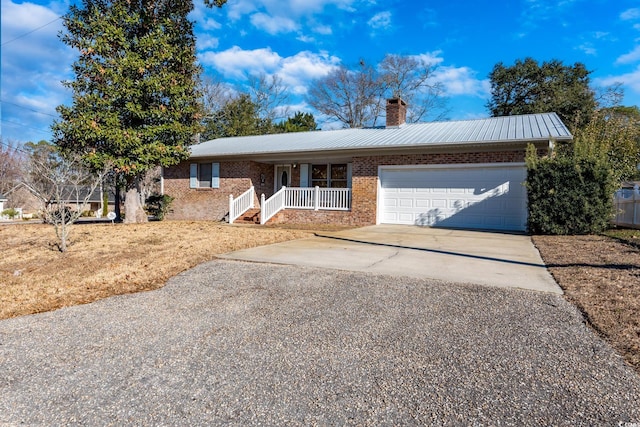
pixel 568 195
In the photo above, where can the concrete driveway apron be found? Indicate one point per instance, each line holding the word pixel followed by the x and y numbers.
pixel 484 258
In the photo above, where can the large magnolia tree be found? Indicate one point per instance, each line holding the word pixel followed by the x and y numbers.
pixel 135 100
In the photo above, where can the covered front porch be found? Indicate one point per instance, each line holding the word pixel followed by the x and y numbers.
pixel 318 186
pixel 309 198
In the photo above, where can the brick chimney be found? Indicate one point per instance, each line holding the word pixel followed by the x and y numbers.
pixel 396 112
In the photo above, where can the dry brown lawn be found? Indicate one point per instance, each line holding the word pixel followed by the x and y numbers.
pixel 105 259
pixel 601 276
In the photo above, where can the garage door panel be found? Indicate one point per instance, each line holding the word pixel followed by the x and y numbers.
pixel 470 197
pixel 438 203
pixel 405 203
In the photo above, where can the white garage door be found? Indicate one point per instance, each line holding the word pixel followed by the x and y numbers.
pixel 469 196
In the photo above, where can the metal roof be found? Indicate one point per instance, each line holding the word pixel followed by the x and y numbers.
pixel 494 130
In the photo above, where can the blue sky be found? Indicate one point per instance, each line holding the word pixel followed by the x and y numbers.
pixel 302 40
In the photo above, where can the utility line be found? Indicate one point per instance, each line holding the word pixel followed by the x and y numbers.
pixel 27 108
pixel 25 126
pixel 11 147
pixel 32 31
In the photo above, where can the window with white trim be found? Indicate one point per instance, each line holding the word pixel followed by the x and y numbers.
pixel 331 175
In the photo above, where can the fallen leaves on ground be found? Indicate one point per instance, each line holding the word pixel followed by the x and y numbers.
pixel 601 276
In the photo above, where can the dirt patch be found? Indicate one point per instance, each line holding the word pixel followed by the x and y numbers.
pixel 105 259
pixel 601 276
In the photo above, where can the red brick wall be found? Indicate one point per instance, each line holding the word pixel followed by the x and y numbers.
pixel 307 216
pixel 213 203
pixel 237 177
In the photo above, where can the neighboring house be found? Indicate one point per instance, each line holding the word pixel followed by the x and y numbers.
pixel 461 174
pixel 74 197
pixel 3 200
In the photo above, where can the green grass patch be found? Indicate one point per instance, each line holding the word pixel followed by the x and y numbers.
pixel 628 236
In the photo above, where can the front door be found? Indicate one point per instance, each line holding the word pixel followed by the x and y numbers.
pixel 283 176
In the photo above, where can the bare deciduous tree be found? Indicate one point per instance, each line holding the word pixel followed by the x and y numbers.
pixel 353 97
pixel 356 97
pixel 215 95
pixel 270 95
pixel 64 186
pixel 412 79
pixel 609 96
pixel 10 170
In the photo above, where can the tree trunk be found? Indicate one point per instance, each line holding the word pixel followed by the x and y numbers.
pixel 118 201
pixel 133 208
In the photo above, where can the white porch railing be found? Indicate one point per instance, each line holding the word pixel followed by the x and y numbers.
pixel 269 208
pixel 316 198
pixel 243 203
pixel 627 207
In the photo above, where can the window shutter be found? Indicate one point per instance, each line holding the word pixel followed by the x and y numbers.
pixel 349 170
pixel 215 175
pixel 304 174
pixel 193 175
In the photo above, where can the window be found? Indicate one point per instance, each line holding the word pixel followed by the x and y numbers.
pixel 319 176
pixel 331 175
pixel 204 175
pixel 339 176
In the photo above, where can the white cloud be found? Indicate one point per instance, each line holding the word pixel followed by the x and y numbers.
pixel 210 24
pixel 380 21
pixel 237 62
pixel 630 57
pixel 461 81
pixel 305 39
pixel 630 80
pixel 325 30
pixel 208 43
pixel 273 24
pixel 630 14
pixel 431 58
pixel 296 71
pixel 288 9
pixel 587 48
pixel 237 9
pixel 536 13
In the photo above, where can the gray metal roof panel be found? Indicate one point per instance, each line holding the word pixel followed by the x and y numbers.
pixel 491 130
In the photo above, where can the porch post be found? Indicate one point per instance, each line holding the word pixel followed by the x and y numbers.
pixel 316 198
pixel 231 213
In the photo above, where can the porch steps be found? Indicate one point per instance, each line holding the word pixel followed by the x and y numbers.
pixel 252 216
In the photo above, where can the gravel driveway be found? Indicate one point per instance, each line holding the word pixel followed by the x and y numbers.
pixel 242 343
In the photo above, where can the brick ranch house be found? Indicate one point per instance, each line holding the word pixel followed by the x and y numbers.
pixel 459 174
